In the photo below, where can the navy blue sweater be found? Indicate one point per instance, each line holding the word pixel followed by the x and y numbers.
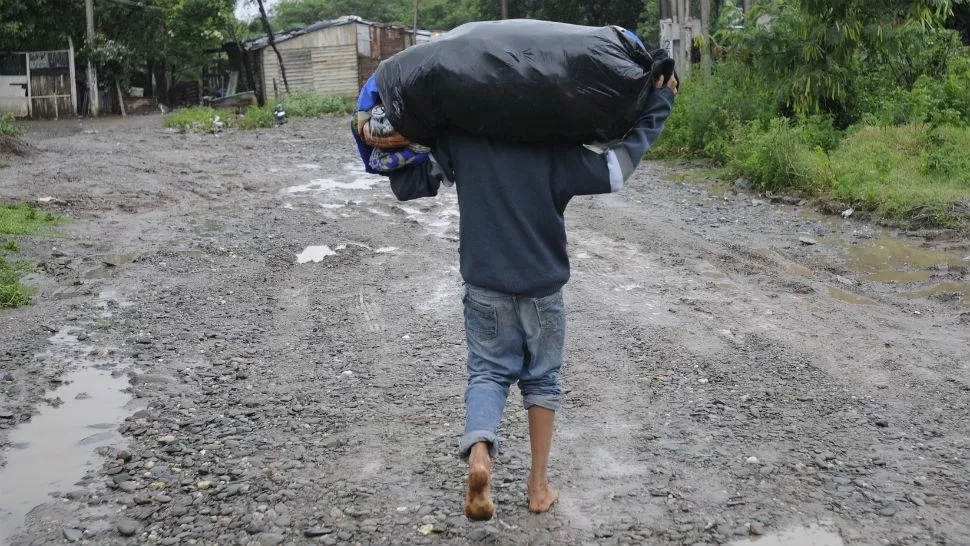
pixel 511 198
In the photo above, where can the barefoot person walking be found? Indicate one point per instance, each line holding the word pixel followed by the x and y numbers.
pixel 513 257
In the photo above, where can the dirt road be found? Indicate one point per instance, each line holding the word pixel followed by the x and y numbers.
pixel 290 345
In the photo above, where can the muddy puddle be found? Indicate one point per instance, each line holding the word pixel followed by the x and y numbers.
pixel 916 272
pixel 800 536
pixel 898 261
pixel 52 451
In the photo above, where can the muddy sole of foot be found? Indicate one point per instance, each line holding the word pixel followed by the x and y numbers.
pixel 478 504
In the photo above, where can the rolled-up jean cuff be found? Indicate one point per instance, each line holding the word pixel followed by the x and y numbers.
pixel 475 436
pixel 548 401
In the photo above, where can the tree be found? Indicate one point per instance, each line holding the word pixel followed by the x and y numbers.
pixel 813 48
pixel 272 43
pixel 28 25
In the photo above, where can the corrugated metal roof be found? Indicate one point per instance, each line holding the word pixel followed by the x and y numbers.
pixel 259 42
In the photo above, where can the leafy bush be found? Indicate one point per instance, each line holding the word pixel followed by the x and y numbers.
pixel 780 156
pixel 707 112
pixel 257 118
pixel 7 127
pixel 309 105
pixel 200 119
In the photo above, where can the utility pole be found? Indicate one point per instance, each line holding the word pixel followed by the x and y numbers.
pixel 505 9
pixel 92 74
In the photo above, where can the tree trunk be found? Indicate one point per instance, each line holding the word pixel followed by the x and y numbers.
pixel 747 5
pixel 272 43
pixel 505 9
pixel 706 65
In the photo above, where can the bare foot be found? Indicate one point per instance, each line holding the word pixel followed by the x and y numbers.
pixel 478 502
pixel 541 495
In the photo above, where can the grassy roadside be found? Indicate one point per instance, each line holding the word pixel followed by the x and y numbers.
pixel 19 219
pixel 203 119
pixel 917 174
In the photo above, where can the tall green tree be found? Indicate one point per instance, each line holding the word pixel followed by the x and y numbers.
pixel 30 25
pixel 814 48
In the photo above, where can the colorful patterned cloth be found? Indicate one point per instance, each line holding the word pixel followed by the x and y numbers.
pixel 381 148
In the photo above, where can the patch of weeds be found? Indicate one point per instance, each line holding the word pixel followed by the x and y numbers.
pixel 7 126
pixel 12 292
pixel 104 325
pixel 258 118
pixel 310 105
pixel 19 219
pixel 200 119
pixel 23 219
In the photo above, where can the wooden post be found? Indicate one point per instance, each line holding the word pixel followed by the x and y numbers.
pixel 70 45
pixel 92 73
pixel 706 65
pixel 30 95
pixel 121 100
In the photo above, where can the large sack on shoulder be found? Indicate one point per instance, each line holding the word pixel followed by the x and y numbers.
pixel 519 80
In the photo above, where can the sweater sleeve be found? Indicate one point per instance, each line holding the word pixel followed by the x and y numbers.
pixel 417 181
pixel 624 157
pixel 594 170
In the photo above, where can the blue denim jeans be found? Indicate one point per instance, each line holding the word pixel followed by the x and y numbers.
pixel 510 339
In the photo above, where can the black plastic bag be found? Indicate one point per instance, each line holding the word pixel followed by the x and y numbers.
pixel 519 80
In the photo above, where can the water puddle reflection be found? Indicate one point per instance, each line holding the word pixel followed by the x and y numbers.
pixel 955 290
pixel 314 254
pixel 849 297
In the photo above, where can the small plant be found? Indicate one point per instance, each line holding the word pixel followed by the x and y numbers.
pixel 104 325
pixel 7 126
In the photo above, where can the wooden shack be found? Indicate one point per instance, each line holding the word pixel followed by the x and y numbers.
pixel 328 57
pixel 39 84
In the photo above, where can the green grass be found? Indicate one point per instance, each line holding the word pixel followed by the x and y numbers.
pixel 23 219
pixel 257 118
pixel 200 119
pixel 311 105
pixel 19 219
pixel 913 172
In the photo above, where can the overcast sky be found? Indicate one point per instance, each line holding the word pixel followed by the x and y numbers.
pixel 246 9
